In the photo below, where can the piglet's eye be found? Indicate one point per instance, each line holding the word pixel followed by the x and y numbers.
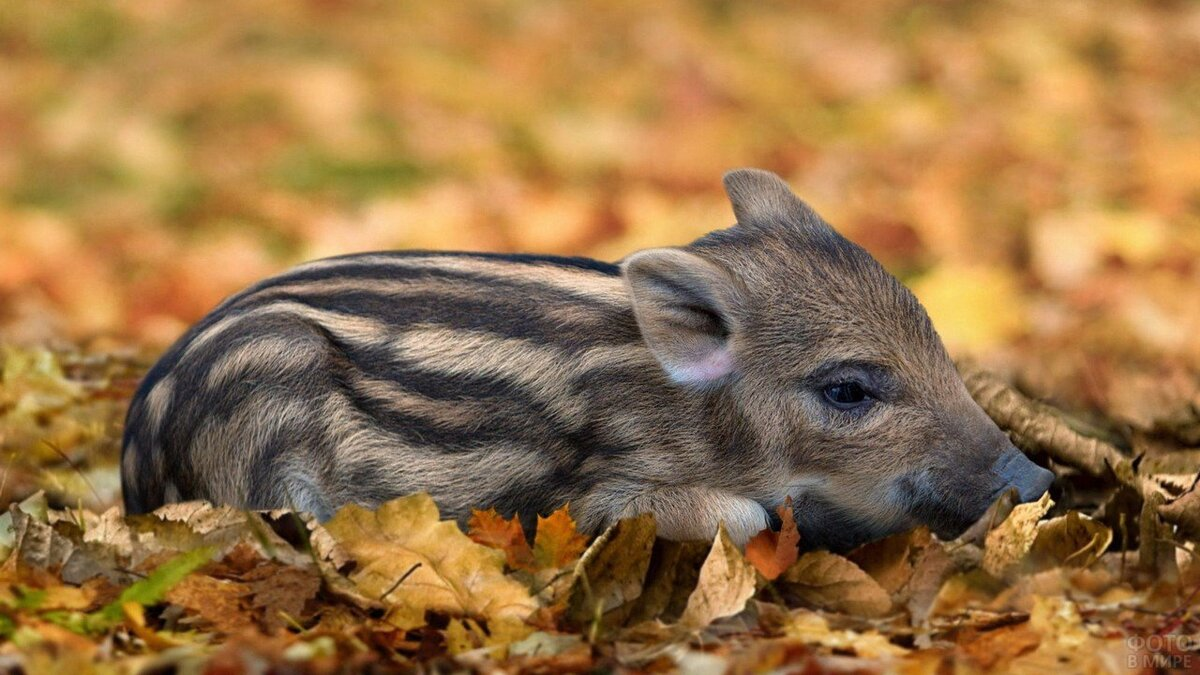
pixel 846 395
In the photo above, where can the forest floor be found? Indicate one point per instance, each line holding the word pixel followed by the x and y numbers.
pixel 1031 170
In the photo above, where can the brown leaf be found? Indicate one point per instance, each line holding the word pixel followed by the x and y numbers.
pixel 726 582
pixel 890 560
pixel 280 589
pixel 217 601
pixel 996 647
pixel 611 571
pixel 558 543
pixel 673 574
pixel 491 529
pixel 929 572
pixel 773 552
pixel 1007 545
pixel 829 581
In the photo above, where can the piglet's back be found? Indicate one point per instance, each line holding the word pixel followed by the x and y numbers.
pixel 360 378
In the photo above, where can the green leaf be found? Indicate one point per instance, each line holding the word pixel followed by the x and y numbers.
pixel 151 589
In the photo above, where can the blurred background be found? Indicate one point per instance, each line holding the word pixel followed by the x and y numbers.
pixel 1031 169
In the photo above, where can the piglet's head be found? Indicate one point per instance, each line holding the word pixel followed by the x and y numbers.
pixel 828 373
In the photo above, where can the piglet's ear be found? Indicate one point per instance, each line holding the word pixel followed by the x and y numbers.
pixel 684 308
pixel 761 198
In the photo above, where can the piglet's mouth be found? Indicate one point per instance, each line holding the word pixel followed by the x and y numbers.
pixel 975 529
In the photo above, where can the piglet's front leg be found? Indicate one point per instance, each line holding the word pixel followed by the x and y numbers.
pixel 693 513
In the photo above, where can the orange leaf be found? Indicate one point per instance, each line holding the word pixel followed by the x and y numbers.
pixel 491 529
pixel 773 552
pixel 557 543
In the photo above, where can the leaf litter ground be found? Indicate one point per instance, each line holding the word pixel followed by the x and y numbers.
pixel 1099 578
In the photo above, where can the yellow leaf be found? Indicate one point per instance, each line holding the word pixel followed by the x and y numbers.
pixel 726 582
pixel 1074 540
pixel 813 629
pixel 409 558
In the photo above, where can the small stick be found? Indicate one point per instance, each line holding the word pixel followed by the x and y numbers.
pixel 1039 426
pixel 400 580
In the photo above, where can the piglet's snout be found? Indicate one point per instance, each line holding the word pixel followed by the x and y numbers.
pixel 1015 470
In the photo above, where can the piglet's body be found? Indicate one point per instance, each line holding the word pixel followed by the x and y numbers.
pixel 705 383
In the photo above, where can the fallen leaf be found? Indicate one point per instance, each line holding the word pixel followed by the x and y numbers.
pixel 929 572
pixel 414 561
pixel 890 560
pixel 773 552
pixel 1072 540
pixel 558 542
pixel 491 529
pixel 813 629
pixel 1066 645
pixel 611 571
pixel 54 597
pixel 34 505
pixel 1007 545
pixel 542 643
pixel 726 582
pixel 281 589
pixel 153 588
pixel 994 648
pixel 217 601
pixel 828 581
pixel 672 576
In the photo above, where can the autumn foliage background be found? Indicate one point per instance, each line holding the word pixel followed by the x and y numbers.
pixel 1030 169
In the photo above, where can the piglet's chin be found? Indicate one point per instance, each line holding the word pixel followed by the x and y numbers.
pixel 976 532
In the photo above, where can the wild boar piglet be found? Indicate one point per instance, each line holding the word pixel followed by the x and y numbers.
pixel 703 383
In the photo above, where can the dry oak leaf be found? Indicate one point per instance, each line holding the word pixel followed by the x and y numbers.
pixel 773 552
pixel 280 590
pixel 611 572
pixel 1007 545
pixel 726 582
pixel 491 529
pixel 414 561
pixel 1074 540
pixel 217 601
pixel 558 542
pixel 829 581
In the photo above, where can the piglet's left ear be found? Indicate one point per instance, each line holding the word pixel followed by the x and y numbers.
pixel 684 307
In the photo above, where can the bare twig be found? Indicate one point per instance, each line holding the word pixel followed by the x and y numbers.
pixel 1042 428
pixel 1038 426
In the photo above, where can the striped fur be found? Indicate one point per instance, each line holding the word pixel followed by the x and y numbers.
pixel 684 382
